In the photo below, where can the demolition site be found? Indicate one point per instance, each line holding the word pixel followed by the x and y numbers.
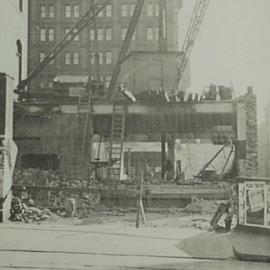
pixel 98 128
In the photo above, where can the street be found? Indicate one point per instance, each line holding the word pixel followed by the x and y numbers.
pixel 111 246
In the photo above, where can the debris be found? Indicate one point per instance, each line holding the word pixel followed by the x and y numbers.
pixel 21 212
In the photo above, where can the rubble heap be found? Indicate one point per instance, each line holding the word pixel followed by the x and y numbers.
pixel 49 189
pixel 27 213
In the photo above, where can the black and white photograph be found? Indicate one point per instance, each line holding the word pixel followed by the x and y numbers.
pixel 135 134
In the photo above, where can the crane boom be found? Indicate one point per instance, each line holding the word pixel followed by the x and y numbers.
pixel 67 38
pixel 195 23
pixel 125 45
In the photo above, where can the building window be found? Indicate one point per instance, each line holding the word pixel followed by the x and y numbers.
pixel 68 11
pixel 43 11
pixel 76 11
pixel 107 81
pixel 108 33
pixel 41 56
pixel 92 58
pixel 101 13
pixel 76 38
pixel 92 34
pixel 157 9
pixel 72 58
pixel 76 58
pixel 42 34
pixel 100 34
pixel 150 34
pixel 66 31
pixel 124 32
pixel 51 11
pixel 150 9
pixel 100 56
pixel 132 8
pixel 108 11
pixel 51 34
pixel 124 10
pixel 108 58
pixel 67 58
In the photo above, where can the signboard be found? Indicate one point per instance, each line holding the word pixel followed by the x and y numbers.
pixel 255 203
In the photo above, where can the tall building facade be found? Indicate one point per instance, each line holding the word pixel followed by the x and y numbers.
pixel 49 20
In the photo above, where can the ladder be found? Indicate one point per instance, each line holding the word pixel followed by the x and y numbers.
pixel 117 141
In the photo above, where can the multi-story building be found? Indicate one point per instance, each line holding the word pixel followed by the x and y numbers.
pixel 49 20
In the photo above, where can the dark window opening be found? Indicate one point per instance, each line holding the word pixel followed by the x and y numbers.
pixel 19 54
pixel 21 5
pixel 41 161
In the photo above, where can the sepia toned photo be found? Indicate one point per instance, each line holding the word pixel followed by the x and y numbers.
pixel 134 134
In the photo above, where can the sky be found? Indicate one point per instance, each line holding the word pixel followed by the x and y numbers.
pixel 232 47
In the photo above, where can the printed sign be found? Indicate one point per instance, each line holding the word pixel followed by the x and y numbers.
pixel 256 200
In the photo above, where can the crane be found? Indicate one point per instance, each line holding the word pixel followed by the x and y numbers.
pixel 125 45
pixel 195 23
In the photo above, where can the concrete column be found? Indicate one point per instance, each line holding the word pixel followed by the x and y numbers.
pixel 163 155
pixel 8 149
pixel 171 157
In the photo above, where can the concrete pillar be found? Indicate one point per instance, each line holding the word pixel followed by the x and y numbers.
pixel 163 155
pixel 8 149
pixel 171 157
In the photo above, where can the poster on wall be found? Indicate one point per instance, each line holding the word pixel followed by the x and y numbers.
pixel 255 203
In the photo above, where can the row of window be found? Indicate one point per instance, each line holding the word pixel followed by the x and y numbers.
pixel 73 58
pixel 48 34
pixel 103 58
pixel 73 11
pixel 102 34
pixel 152 9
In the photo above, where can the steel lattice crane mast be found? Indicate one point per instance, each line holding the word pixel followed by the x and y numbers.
pixel 195 23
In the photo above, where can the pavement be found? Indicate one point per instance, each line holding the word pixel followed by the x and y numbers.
pixel 122 246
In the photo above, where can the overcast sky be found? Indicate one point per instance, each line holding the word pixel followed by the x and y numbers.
pixel 233 46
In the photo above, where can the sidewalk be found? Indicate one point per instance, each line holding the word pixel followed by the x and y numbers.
pixel 211 244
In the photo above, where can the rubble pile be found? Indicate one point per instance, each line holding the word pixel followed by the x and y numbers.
pixel 49 189
pixel 22 212
pixel 37 177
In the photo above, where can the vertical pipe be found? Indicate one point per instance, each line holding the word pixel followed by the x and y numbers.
pixel 163 155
